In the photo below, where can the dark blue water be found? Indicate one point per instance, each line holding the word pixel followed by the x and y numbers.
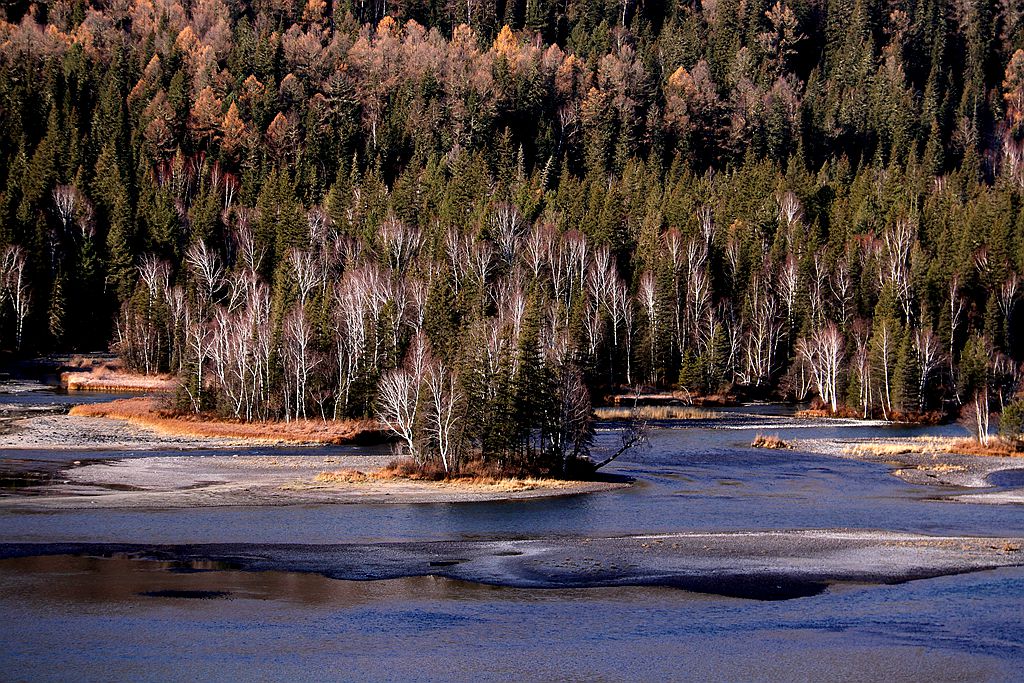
pixel 99 619
pixel 689 479
pixel 23 394
pixel 1010 479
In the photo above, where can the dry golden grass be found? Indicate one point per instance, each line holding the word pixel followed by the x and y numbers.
pixel 662 398
pixel 345 477
pixel 653 413
pixel 996 447
pixel 930 418
pixel 474 476
pixel 884 449
pixel 932 444
pixel 824 412
pixel 941 468
pixel 109 376
pixel 769 441
pixel 147 412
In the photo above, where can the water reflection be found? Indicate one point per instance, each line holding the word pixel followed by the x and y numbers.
pixel 97 619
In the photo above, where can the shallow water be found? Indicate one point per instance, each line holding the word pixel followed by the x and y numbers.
pixel 690 479
pixel 24 394
pixel 95 617
pixel 86 616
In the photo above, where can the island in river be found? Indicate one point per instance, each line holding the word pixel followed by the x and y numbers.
pixel 186 481
pixel 175 481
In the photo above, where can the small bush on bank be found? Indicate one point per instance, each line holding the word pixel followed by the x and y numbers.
pixel 771 442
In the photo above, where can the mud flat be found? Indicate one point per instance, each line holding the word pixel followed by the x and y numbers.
pixel 761 565
pixel 249 480
pixel 926 462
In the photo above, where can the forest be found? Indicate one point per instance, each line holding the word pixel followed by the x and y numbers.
pixel 473 219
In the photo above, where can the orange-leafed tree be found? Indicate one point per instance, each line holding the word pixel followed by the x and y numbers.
pixel 1013 93
pixel 235 134
pixel 205 118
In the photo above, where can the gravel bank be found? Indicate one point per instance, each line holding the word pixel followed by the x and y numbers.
pixel 945 470
pixel 761 565
pixel 205 481
pixel 69 432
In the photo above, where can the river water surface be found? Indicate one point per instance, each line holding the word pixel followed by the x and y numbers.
pixel 102 618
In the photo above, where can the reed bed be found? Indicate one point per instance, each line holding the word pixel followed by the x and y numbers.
pixel 109 377
pixel 653 413
pixel 933 444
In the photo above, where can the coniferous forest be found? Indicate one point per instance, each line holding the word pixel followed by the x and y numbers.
pixel 474 218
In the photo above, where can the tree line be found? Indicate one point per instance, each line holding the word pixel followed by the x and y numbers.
pixel 472 218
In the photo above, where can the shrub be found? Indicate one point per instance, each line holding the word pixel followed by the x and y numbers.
pixel 772 442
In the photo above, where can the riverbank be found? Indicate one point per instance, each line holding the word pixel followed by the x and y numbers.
pixel 104 428
pixel 59 432
pixel 847 413
pixel 928 461
pixel 678 398
pixel 148 413
pixel 765 565
pixel 268 480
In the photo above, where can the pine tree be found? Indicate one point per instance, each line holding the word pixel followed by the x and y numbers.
pixel 907 376
pixel 121 249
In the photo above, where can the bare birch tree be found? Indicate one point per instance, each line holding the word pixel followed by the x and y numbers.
pixel 399 396
pixel 673 241
pixel 884 347
pixel 649 302
pixel 15 287
pixel 206 268
pixel 929 357
pixel 300 362
pixel 899 239
pixel 861 362
pixel 823 353
pixel 445 398
pixel 764 330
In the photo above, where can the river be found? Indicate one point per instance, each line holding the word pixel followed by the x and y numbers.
pixel 101 618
